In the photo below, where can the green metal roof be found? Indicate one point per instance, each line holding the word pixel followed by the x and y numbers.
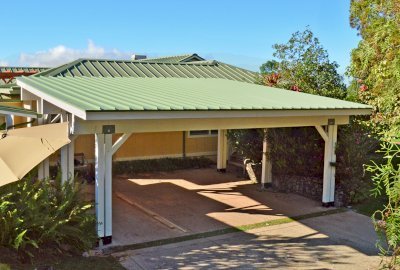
pixel 17 111
pixel 25 69
pixel 140 69
pixel 174 94
pixel 175 58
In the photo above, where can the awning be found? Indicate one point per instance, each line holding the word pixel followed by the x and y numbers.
pixel 24 148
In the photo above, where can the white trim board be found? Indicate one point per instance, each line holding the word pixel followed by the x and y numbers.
pixel 162 125
pixel 126 115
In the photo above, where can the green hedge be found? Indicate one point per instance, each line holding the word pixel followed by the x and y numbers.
pixel 162 164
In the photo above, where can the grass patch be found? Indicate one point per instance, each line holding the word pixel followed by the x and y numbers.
pixel 162 164
pixel 369 206
pixel 221 231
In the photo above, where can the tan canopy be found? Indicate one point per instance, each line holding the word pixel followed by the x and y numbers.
pixel 24 148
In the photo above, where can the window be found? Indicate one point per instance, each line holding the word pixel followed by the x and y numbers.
pixel 203 133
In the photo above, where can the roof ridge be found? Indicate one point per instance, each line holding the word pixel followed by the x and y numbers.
pixel 22 67
pixel 55 70
pixel 174 58
pixel 169 56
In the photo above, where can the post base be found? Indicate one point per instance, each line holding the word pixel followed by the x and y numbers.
pixel 106 240
pixel 265 186
pixel 221 170
pixel 328 204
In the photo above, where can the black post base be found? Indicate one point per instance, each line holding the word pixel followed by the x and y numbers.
pixel 221 170
pixel 106 240
pixel 328 204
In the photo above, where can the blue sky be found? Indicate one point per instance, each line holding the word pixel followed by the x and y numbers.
pixel 237 32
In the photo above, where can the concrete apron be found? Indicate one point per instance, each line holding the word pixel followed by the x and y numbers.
pixel 338 241
pixel 158 206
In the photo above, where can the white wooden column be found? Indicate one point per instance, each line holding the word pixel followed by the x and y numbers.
pixel 330 138
pixel 67 160
pixel 44 166
pixel 100 183
pixel 108 186
pixel 103 167
pixel 222 154
pixel 67 153
pixel 28 106
pixel 266 171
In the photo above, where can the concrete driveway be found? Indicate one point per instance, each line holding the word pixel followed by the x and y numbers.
pixel 338 241
pixel 181 203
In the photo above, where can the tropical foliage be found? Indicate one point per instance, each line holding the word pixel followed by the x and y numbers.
pixel 375 63
pixel 37 215
pixel 303 65
pixel 386 177
pixel 375 66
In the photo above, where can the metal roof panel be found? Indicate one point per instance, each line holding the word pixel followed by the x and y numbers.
pixel 176 94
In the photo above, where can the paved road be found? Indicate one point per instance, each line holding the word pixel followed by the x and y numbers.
pixel 339 241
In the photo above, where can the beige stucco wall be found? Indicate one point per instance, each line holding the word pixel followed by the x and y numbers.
pixel 152 145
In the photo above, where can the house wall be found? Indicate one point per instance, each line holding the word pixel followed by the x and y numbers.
pixel 152 145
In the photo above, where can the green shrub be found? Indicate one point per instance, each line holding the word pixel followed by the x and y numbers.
pixel 300 152
pixel 36 215
pixel 386 178
pixel 162 164
pixel 247 143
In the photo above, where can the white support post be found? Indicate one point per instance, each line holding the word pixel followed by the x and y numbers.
pixel 108 186
pixel 120 142
pixel 222 154
pixel 104 152
pixel 28 106
pixel 266 172
pixel 67 160
pixel 64 163
pixel 328 191
pixel 56 118
pixel 100 185
pixel 44 166
pixel 71 159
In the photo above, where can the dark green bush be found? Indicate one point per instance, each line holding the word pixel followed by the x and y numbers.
pixel 36 215
pixel 386 179
pixel 162 164
pixel 247 143
pixel 300 152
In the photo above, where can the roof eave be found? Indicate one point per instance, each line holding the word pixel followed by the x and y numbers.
pixel 62 105
pixel 136 115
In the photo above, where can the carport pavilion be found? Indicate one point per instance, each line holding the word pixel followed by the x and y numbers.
pixel 126 105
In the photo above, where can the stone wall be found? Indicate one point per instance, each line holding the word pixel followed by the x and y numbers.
pixel 310 187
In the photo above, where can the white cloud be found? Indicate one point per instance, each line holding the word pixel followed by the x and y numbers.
pixel 62 54
pixel 3 63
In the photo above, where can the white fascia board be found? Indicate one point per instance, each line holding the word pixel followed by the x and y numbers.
pixel 162 125
pixel 50 99
pixel 130 115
